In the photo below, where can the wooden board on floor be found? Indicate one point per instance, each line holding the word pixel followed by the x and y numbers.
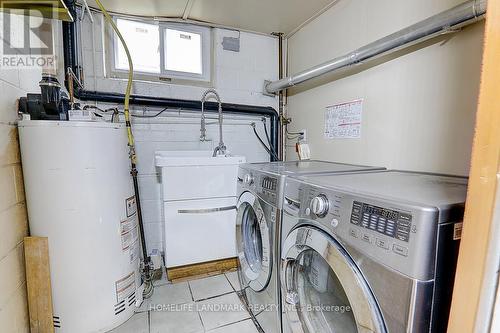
pixel 36 252
pixel 483 182
pixel 181 273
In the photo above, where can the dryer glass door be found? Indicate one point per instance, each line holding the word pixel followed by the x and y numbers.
pixel 323 288
pixel 254 243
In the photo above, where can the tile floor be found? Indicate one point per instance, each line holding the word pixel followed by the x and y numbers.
pixel 209 304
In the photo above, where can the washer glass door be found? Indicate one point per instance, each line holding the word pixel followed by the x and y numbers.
pixel 254 247
pixel 323 288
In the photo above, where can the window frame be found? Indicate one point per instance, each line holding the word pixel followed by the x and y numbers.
pixel 167 75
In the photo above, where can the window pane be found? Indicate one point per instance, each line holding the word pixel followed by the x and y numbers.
pixel 183 51
pixel 143 41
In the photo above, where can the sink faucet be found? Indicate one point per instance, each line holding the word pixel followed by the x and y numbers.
pixel 221 148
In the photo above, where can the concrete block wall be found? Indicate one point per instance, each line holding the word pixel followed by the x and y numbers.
pixel 13 217
pixel 14 83
pixel 237 76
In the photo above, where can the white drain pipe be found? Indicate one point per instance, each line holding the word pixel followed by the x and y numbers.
pixel 444 22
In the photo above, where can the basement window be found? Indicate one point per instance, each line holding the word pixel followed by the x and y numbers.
pixel 162 51
pixel 143 42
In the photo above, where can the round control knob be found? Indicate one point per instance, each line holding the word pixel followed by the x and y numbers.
pixel 248 179
pixel 319 205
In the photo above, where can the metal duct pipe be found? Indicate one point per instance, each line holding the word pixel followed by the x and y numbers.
pixel 444 22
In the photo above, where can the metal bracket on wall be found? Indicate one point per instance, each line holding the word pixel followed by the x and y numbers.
pixel 264 90
pixel 284 120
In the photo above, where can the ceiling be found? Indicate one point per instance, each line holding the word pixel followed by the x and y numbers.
pixel 264 16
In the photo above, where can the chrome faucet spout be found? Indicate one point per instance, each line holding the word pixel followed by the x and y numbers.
pixel 219 151
pixel 221 148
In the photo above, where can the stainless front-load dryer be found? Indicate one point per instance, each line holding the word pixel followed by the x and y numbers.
pixel 260 192
pixel 370 252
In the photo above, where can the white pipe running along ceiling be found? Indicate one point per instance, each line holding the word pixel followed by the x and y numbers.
pixel 263 16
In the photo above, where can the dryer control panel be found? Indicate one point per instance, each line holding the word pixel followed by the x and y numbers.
pixel 388 222
pixel 393 232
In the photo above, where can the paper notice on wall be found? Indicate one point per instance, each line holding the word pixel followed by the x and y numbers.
pixel 343 121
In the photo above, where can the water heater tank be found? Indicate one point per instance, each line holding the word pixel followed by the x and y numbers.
pixel 80 195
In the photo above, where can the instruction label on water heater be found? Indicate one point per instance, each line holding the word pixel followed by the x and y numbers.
pixel 343 121
pixel 131 205
pixel 134 252
pixel 129 232
pixel 125 287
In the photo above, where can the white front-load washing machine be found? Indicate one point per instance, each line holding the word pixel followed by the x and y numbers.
pixel 260 199
pixel 370 252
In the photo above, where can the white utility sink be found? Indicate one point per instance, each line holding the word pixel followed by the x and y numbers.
pixel 188 175
pixel 199 201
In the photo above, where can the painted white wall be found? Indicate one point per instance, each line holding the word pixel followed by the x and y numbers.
pixel 419 108
pixel 237 76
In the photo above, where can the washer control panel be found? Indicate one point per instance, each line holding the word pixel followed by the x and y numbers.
pixel 248 179
pixel 269 183
pixel 267 187
pixel 263 185
pixel 388 222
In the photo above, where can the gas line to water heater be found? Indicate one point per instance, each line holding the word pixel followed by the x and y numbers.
pixel 148 285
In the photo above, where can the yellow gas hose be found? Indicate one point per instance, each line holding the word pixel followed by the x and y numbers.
pixel 148 289
pixel 126 110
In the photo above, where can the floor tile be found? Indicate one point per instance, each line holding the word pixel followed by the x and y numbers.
pixel 139 323
pixel 233 279
pixel 183 319
pixel 246 326
pixel 169 294
pixel 222 310
pixel 210 287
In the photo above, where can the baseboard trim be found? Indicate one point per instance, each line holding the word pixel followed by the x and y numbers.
pixel 180 273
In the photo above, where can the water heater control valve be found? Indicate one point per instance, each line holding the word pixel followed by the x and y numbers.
pixel 320 205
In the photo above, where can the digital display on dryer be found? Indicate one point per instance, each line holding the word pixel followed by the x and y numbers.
pixel 384 213
pixel 389 222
